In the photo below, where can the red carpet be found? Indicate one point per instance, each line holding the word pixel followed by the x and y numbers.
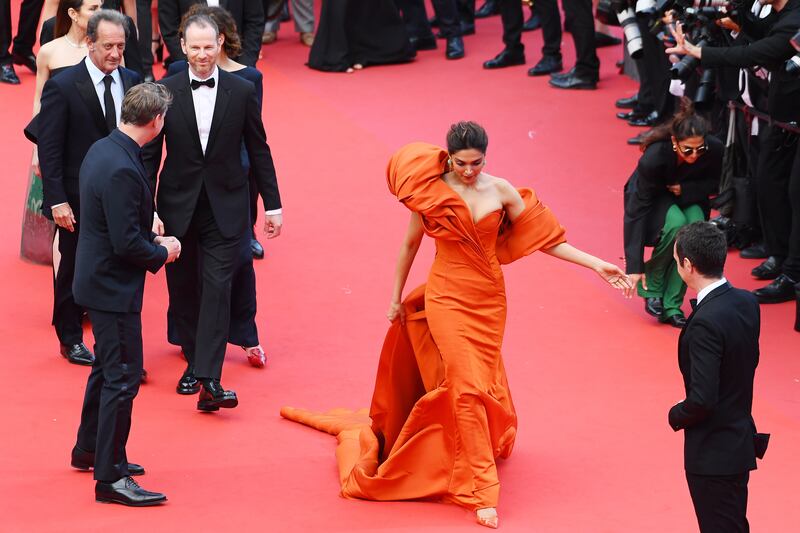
pixel 592 375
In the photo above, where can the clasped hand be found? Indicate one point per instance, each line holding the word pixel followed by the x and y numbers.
pixel 172 245
pixel 64 217
pixel 273 225
pixel 396 310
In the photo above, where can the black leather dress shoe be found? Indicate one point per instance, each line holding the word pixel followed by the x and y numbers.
pixel 455 48
pixel 573 82
pixel 639 139
pixel 567 74
pixel 26 60
pixel 603 39
pixel 676 321
pixel 756 251
pixel 7 74
pixel 533 23
pixel 769 269
pixel 489 8
pixel 256 249
pixel 188 384
pixel 627 115
pixel 467 29
pixel 144 376
pixel 780 290
pixel 506 58
pixel 653 307
pixel 426 43
pixel 127 492
pixel 646 121
pixel 78 354
pixel 84 461
pixel 546 65
pixel 213 396
pixel 627 103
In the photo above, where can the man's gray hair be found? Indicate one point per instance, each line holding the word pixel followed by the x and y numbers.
pixel 109 15
pixel 143 102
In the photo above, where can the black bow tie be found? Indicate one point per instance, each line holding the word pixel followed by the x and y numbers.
pixel 197 83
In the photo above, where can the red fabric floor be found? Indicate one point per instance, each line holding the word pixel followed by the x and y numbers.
pixel 592 375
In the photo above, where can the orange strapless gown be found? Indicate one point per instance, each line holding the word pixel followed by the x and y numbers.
pixel 441 412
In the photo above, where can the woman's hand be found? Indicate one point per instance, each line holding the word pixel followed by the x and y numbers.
pixel 675 189
pixel 396 310
pixel 614 275
pixel 635 279
pixel 682 46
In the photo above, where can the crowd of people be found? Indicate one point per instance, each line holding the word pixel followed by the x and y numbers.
pixel 94 118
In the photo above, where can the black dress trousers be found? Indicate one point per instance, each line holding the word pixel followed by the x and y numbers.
pixel 110 390
pixel 720 502
pixel 778 149
pixel 551 26
pixel 513 19
pixel 67 315
pixel 580 12
pixel 29 13
pixel 791 267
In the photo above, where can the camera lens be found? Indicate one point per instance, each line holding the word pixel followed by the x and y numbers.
pixel 793 66
pixel 633 36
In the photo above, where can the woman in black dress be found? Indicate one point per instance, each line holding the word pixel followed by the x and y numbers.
pixel 353 34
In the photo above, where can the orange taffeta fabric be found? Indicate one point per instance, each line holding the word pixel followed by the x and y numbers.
pixel 441 412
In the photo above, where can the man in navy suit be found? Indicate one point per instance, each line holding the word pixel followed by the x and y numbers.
pixel 79 106
pixel 115 249
pixel 717 354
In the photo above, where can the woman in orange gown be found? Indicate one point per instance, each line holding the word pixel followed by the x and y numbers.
pixel 441 412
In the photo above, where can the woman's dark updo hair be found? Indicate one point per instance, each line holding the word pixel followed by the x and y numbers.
pixel 63 20
pixel 686 123
pixel 466 135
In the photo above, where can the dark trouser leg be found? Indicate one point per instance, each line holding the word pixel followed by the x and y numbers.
pixel 219 258
pixel 587 64
pixel 5 31
pixel 144 23
pixel 29 13
pixel 253 200
pixel 720 502
pixel 183 284
pixel 551 27
pixel 512 18
pixel 66 313
pixel 791 267
pixel 243 330
pixel 415 18
pixel 778 149
pixel 118 350
pixel 466 11
pixel 447 15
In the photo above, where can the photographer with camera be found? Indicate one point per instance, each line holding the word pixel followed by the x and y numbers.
pixel 670 188
pixel 778 183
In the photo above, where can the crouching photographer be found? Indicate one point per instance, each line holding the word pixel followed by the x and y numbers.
pixel 670 188
pixel 777 181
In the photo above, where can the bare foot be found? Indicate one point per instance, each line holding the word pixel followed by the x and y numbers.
pixel 488 517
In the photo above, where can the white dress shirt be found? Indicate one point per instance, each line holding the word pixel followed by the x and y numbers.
pixel 708 288
pixel 117 90
pixel 204 99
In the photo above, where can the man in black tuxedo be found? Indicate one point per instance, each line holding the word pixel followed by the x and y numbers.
pixel 203 199
pixel 115 249
pixel 248 15
pixel 82 105
pixel 717 353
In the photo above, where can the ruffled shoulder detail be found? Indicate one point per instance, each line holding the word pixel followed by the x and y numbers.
pixel 414 175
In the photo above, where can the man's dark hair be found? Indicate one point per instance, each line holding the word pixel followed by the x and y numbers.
pixel 144 102
pixel 108 15
pixel 201 20
pixel 705 246
pixel 467 135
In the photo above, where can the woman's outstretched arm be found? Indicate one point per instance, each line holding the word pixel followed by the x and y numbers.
pixel 613 274
pixel 408 251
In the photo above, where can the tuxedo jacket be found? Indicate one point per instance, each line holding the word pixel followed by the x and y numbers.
pixel 248 15
pixel 187 169
pixel 718 354
pixel 69 122
pixel 115 245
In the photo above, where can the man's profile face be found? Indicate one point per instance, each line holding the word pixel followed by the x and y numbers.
pixel 106 52
pixel 201 44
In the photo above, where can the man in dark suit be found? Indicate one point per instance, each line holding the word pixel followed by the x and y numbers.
pixel 248 14
pixel 82 105
pixel 717 354
pixel 115 249
pixel 22 53
pixel 203 198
